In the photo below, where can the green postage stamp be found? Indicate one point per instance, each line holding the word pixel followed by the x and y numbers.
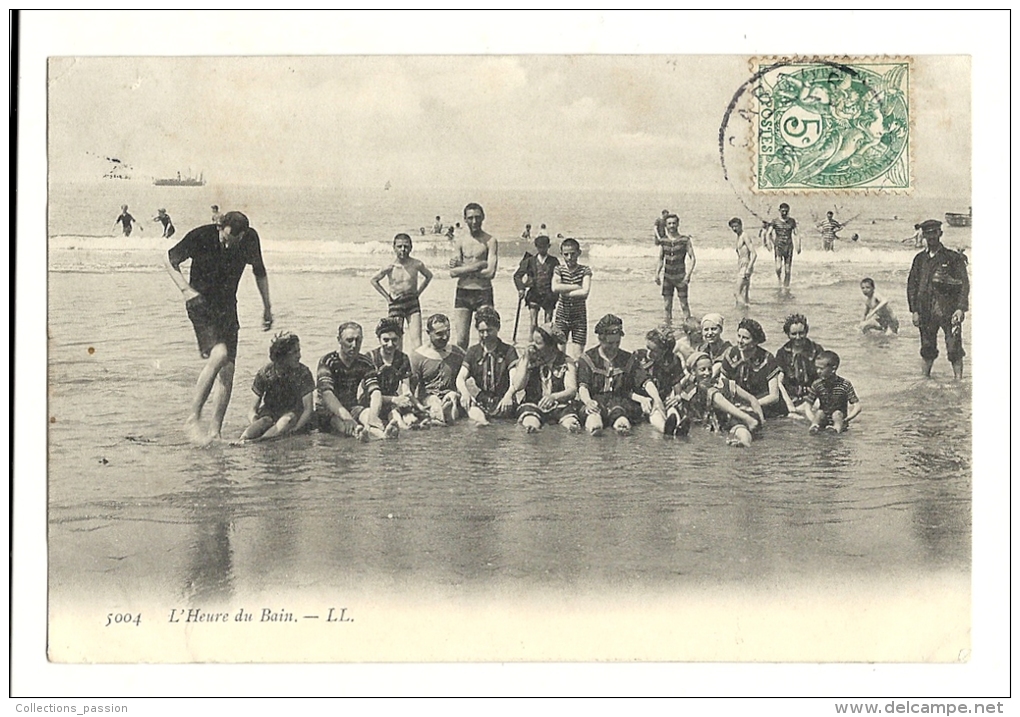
pixel 831 124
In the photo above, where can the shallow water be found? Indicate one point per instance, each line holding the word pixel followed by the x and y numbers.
pixel 134 508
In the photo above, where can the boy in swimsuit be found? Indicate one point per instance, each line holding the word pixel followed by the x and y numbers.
pixel 878 316
pixel 166 221
pixel 657 388
pixel 835 402
pixel 571 282
pixel 283 392
pixel 533 280
pixel 125 221
pixel 404 292
pixel 721 402
pixel 746 256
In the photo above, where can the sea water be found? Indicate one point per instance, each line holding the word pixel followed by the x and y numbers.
pixel 134 507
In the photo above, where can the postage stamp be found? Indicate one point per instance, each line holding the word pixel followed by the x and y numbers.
pixel 831 124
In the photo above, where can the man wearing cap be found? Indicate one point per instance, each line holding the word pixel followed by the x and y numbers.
pixel 783 235
pixel 606 377
pixel 937 293
pixel 219 254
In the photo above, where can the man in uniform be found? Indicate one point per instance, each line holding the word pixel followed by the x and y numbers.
pixel 219 254
pixel 937 292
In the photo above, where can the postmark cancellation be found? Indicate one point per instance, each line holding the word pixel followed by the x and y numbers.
pixel 831 124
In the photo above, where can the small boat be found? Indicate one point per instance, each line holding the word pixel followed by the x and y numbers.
pixel 180 181
pixel 960 220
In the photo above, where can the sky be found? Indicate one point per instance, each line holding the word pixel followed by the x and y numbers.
pixel 641 122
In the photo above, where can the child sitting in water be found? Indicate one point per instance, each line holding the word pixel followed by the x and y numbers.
pixel 283 392
pixel 878 316
pixel 715 400
pixel 661 373
pixel 404 292
pixel 835 402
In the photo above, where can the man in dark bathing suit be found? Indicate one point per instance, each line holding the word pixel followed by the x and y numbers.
pixel 219 254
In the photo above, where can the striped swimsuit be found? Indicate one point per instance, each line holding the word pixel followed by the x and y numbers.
pixel 571 312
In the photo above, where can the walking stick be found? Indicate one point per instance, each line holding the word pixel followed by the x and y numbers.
pixel 517 321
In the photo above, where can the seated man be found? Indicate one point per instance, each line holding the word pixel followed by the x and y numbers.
pixel 488 363
pixel 434 368
pixel 339 378
pixel 606 376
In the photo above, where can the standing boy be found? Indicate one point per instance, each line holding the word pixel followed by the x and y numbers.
pixel 571 282
pixel 533 280
pixel 403 291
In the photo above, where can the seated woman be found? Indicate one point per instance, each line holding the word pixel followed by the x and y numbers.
pixel 657 390
pixel 754 369
pixel 796 359
pixel 720 403
pixel 549 381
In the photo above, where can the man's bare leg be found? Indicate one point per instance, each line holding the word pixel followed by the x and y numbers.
pixel 462 326
pixel 221 398
pixel 928 364
pixel 958 369
pixel 667 305
pixel 413 333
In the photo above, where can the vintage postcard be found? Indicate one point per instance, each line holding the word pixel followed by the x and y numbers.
pixel 502 357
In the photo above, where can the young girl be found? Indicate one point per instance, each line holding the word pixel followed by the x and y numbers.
pixel 715 400
pixel 283 392
pixel 660 378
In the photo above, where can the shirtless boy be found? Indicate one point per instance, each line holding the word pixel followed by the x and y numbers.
pixel 404 292
pixel 878 316
pixel 473 265
pixel 746 256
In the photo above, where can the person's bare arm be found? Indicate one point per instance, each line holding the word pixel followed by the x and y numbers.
pixel 426 275
pixel 745 395
pixel 262 282
pixel 694 261
pixel 492 263
pixel 853 411
pixel 579 292
pixel 178 278
pixel 254 409
pixel 753 257
pixel 462 388
pixel 306 412
pixel 377 282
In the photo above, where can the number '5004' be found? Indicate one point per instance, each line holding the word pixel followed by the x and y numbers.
pixel 123 618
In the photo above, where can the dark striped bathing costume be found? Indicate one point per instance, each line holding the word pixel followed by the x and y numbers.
pixel 571 312
pixel 674 254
